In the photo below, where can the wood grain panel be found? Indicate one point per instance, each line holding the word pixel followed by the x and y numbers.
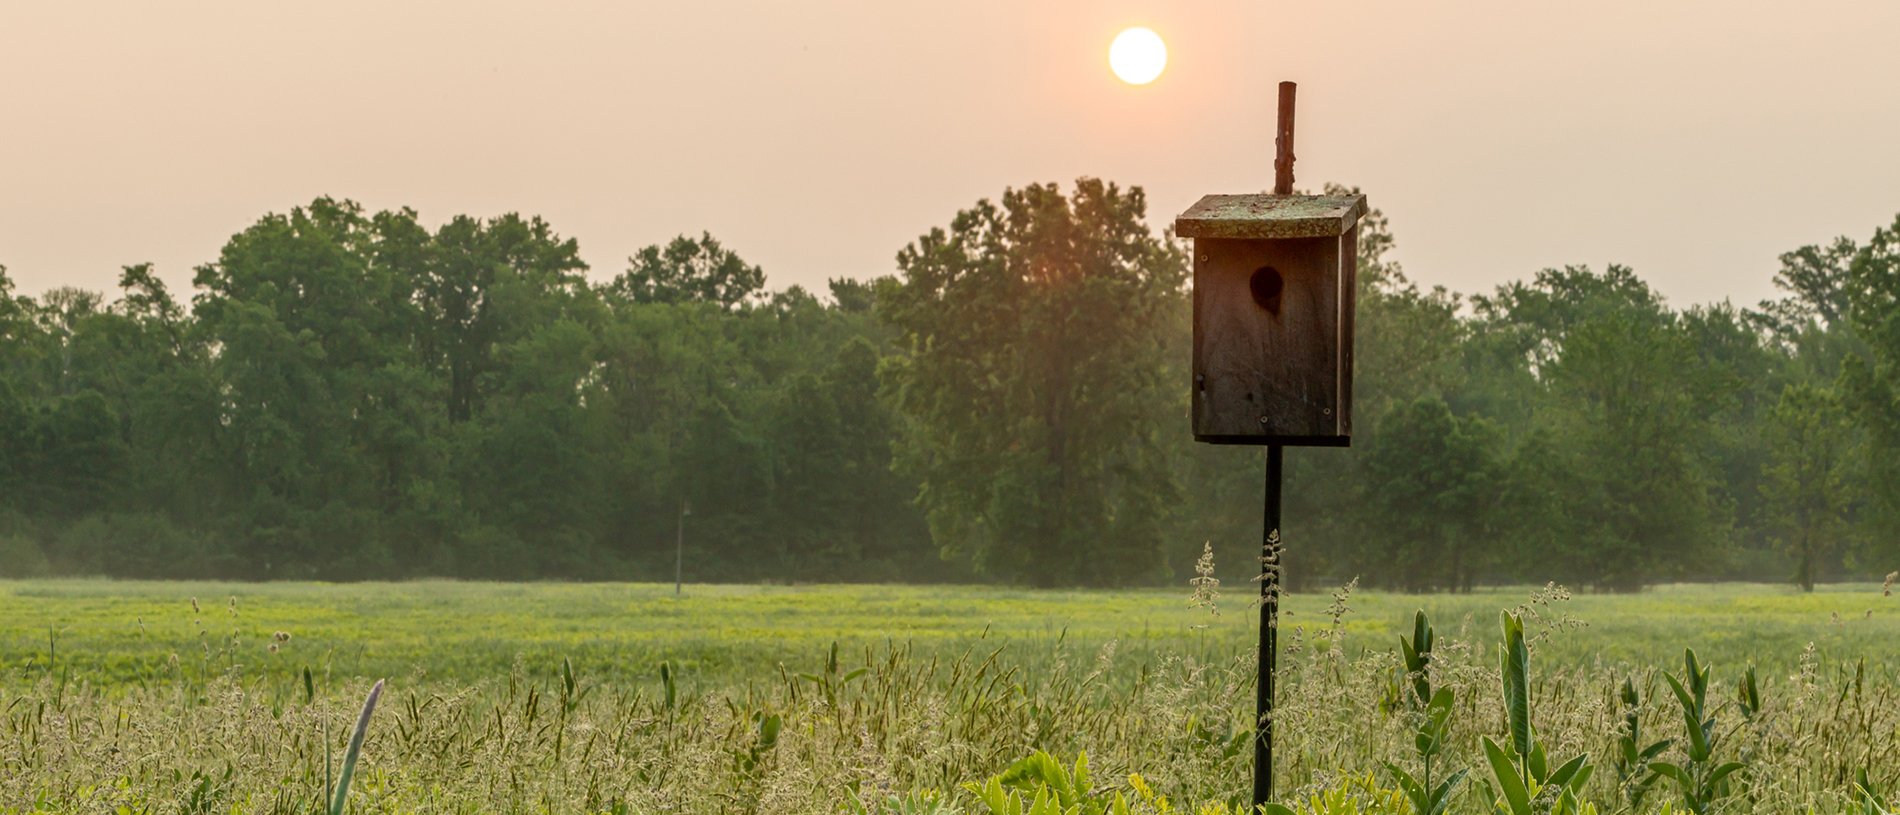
pixel 1268 371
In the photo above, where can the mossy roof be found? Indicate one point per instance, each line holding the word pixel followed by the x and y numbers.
pixel 1262 215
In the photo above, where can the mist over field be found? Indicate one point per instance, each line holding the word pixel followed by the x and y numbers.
pixel 739 408
pixel 350 395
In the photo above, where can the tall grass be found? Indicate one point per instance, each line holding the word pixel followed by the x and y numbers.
pixel 892 723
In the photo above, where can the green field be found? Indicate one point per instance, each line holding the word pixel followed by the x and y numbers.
pixel 112 634
pixel 125 694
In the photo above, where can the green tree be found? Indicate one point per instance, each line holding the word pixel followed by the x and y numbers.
pixel 690 271
pixel 1816 279
pixel 1430 488
pixel 531 462
pixel 1871 377
pixel 1622 401
pixel 483 284
pixel 313 327
pixel 65 456
pixel 62 312
pixel 661 366
pixel 1031 372
pixel 1806 486
pixel 843 511
pixel 1408 347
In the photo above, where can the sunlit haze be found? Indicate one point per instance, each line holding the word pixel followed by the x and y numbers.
pixel 1692 140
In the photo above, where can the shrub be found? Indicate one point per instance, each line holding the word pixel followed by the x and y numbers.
pixel 131 545
pixel 21 557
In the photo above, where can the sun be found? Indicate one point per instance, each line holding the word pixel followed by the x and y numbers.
pixel 1137 56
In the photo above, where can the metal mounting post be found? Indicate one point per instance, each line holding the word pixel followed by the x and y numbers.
pixel 1270 526
pixel 1269 630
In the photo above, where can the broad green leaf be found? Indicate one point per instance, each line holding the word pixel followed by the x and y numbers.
pixel 1567 803
pixel 1516 672
pixel 1410 786
pixel 1044 804
pixel 1431 731
pixel 1698 738
pixel 1570 768
pixel 1698 677
pixel 1078 781
pixel 1441 797
pixel 1656 749
pixel 1749 695
pixel 1415 669
pixel 1511 785
pixel 1672 772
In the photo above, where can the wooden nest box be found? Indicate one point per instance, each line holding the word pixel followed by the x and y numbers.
pixel 1274 279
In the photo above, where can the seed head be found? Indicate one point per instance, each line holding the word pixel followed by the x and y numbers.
pixel 1206 586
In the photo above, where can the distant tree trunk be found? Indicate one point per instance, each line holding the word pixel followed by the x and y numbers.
pixel 1804 572
pixel 1457 569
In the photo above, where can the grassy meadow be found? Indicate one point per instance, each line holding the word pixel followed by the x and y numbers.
pixel 118 634
pixel 218 697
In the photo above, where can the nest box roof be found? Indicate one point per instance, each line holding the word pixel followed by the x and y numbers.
pixel 1270 216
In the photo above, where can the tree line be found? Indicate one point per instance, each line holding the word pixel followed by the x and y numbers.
pixel 354 395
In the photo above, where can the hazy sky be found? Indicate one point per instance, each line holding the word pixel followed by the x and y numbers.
pixel 1694 141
